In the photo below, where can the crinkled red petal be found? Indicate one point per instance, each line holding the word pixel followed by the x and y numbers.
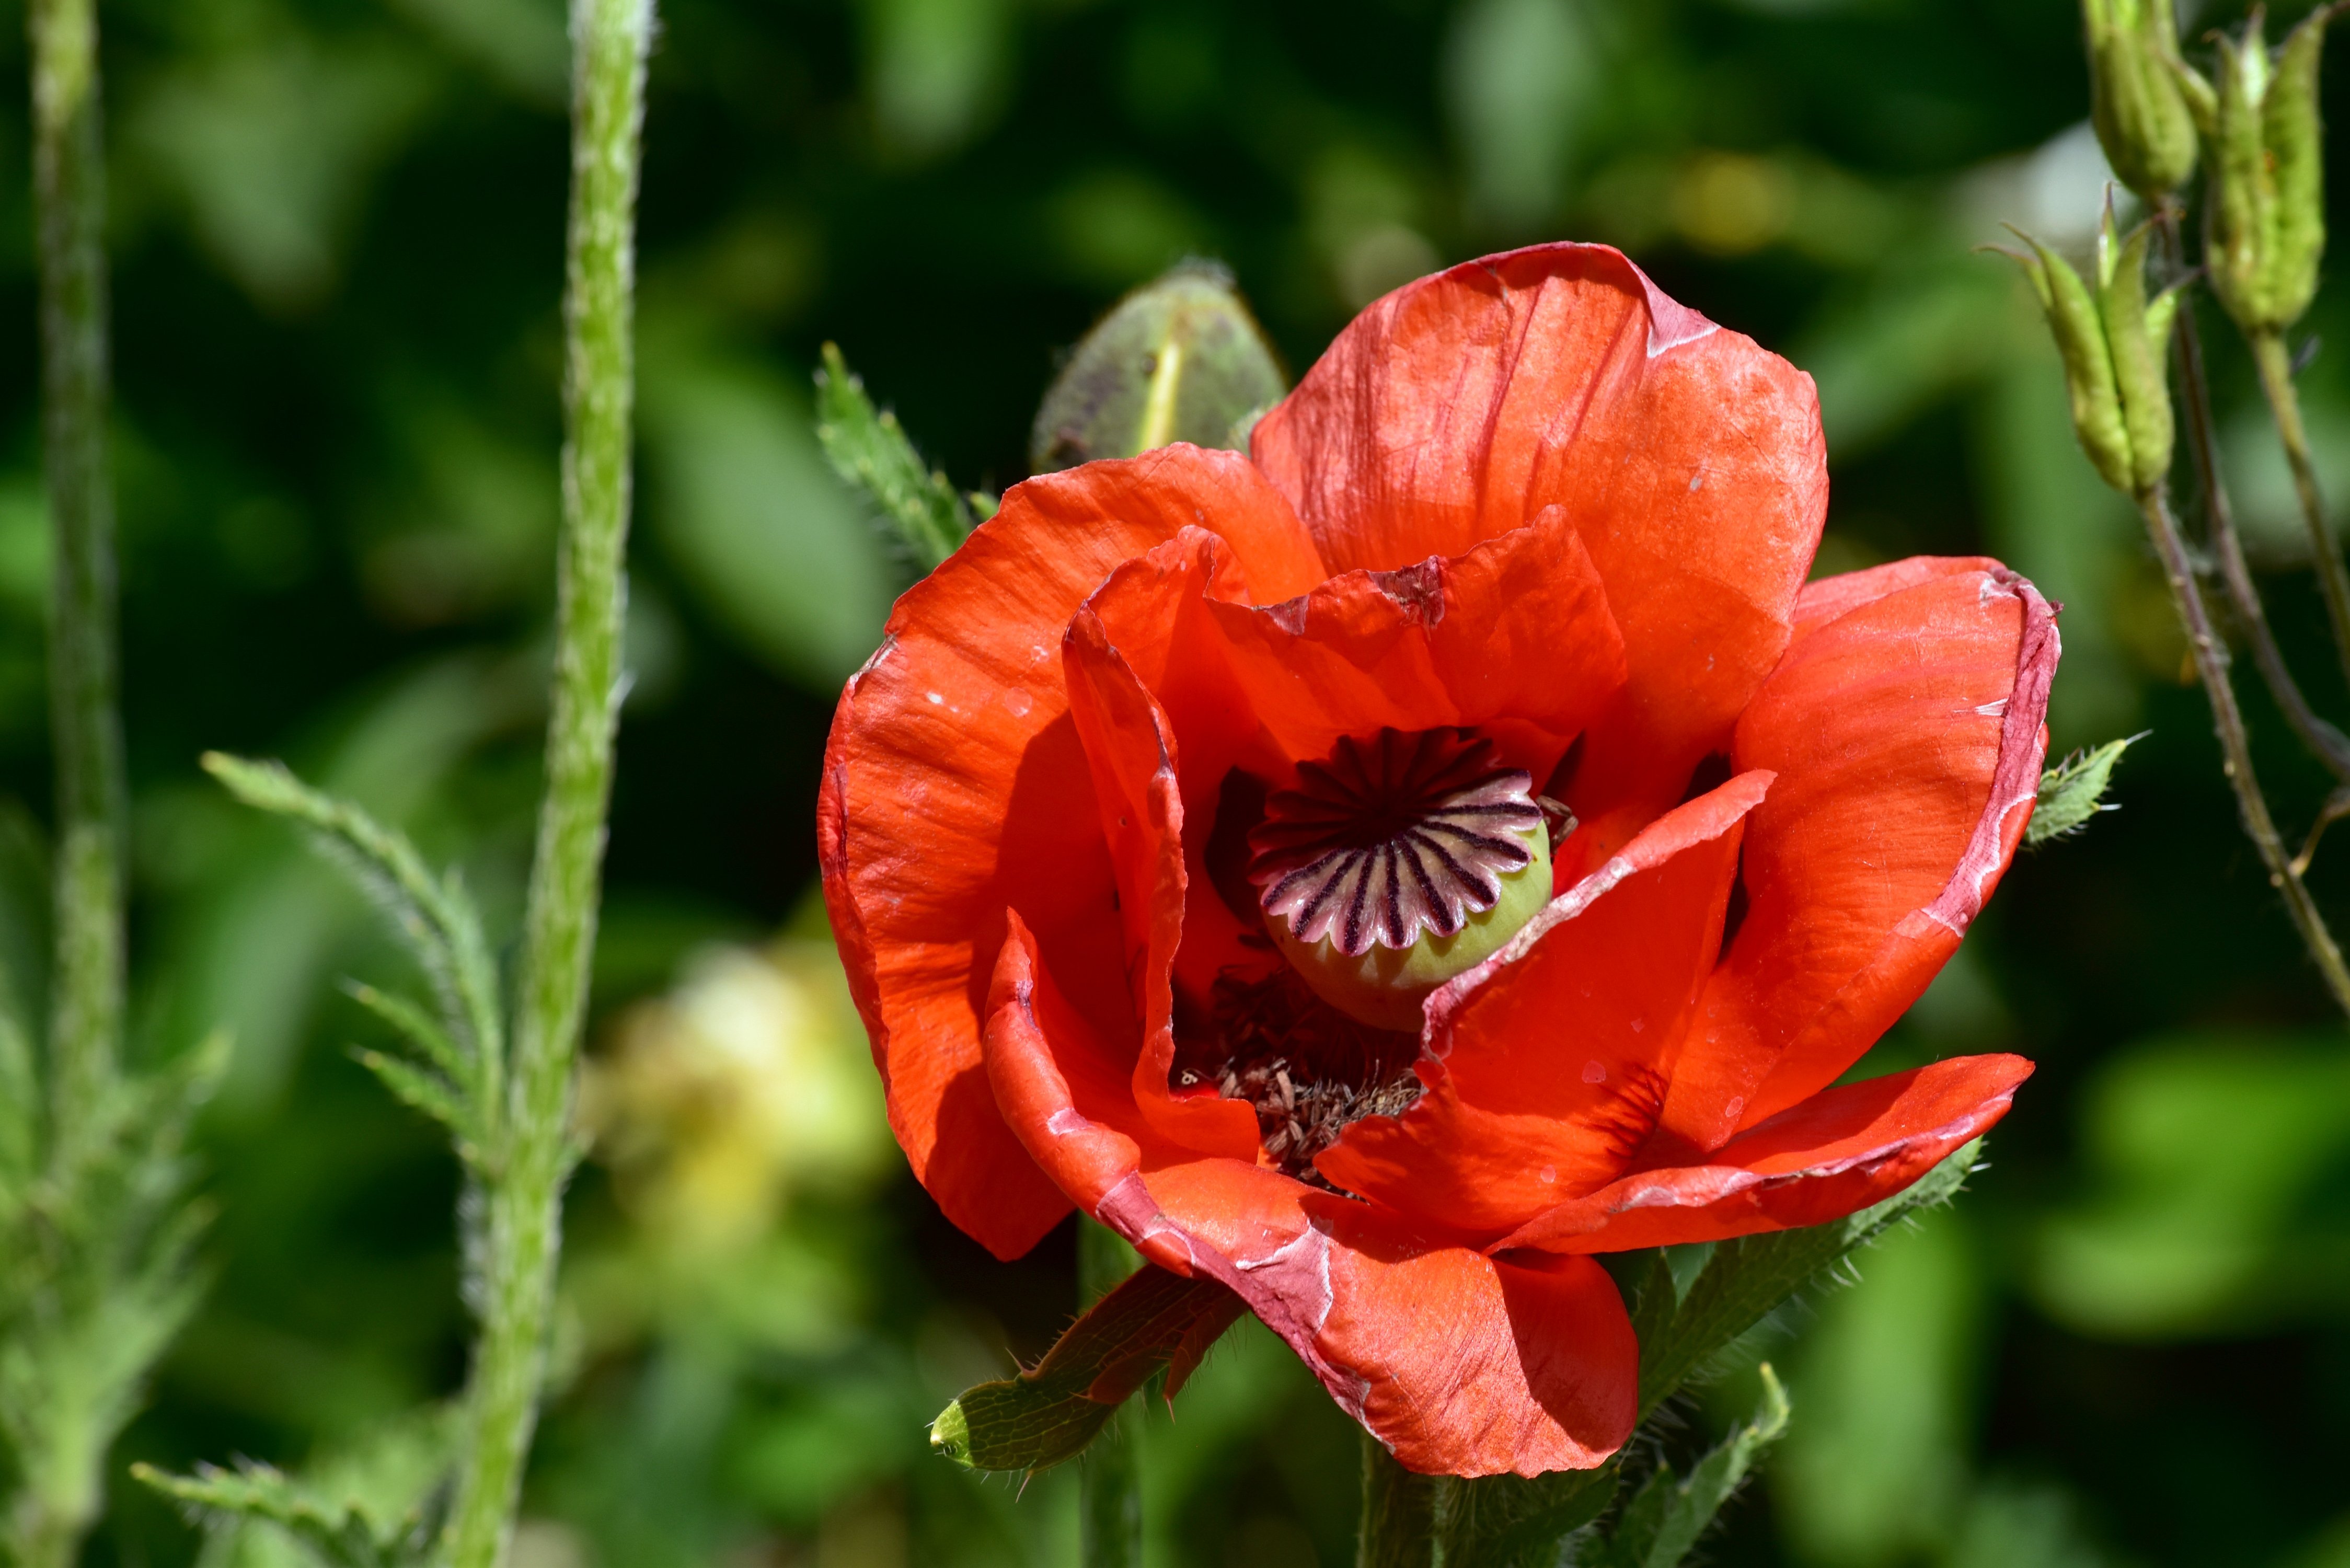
pixel 955 787
pixel 1690 459
pixel 1462 1364
pixel 1835 1153
pixel 1907 735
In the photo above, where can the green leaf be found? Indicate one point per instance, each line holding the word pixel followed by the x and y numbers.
pixel 2211 1204
pixel 1051 1411
pixel 2073 790
pixel 1510 1522
pixel 1688 1306
pixel 426 1092
pixel 416 1026
pixel 434 915
pixel 867 449
pixel 337 1533
pixel 1749 1276
pixel 1666 1517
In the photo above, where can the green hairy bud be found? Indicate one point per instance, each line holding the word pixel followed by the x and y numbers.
pixel 2111 340
pixel 2267 215
pixel 2135 97
pixel 1177 359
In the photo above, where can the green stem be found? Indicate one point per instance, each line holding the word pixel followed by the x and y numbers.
pixel 2284 402
pixel 523 1223
pixel 1109 1516
pixel 1400 1508
pixel 2210 656
pixel 2323 740
pixel 68 180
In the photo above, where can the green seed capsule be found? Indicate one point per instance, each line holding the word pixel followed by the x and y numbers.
pixel 1383 987
pixel 1397 864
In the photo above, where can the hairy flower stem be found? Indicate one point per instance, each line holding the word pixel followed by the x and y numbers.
pixel 1399 1512
pixel 69 176
pixel 524 1203
pixel 61 1461
pixel 1109 1519
pixel 2323 740
pixel 2210 656
pixel 2284 402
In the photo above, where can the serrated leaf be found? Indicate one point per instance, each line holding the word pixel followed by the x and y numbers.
pixel 337 1533
pixel 868 449
pixel 434 915
pixel 1513 1521
pixel 1687 1306
pixel 1749 1276
pixel 1051 1411
pixel 422 1090
pixel 1664 1520
pixel 416 1026
pixel 2074 791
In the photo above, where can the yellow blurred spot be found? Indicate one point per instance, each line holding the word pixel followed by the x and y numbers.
pixel 1731 203
pixel 749 1080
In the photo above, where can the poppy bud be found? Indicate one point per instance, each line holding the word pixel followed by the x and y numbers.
pixel 2267 213
pixel 2134 95
pixel 2112 345
pixel 1177 359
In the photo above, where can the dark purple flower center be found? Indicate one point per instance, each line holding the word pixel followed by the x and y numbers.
pixel 1388 838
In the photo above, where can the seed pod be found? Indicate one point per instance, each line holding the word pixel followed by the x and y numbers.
pixel 2135 97
pixel 1177 359
pixel 2111 341
pixel 2136 335
pixel 2261 131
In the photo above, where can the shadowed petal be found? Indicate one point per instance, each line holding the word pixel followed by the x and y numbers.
pixel 955 786
pixel 1908 737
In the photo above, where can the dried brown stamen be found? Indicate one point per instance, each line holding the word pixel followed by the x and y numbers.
pixel 1305 1068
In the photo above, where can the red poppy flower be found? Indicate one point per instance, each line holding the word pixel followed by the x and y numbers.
pixel 1176 791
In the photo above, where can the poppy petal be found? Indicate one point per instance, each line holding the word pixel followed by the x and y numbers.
pixel 1908 736
pixel 1457 407
pixel 1546 1066
pixel 1462 1364
pixel 1131 749
pixel 1833 1155
pixel 1514 637
pixel 955 786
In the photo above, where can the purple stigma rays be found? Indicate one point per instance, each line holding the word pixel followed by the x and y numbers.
pixel 1391 837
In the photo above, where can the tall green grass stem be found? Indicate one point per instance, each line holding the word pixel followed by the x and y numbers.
pixel 523 1222
pixel 2275 364
pixel 2210 656
pixel 70 204
pixel 1109 1516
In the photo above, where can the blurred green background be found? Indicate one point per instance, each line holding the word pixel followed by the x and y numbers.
pixel 336 232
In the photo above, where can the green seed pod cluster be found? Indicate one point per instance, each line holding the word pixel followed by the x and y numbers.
pixel 2136 99
pixel 2112 340
pixel 1177 359
pixel 2263 141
